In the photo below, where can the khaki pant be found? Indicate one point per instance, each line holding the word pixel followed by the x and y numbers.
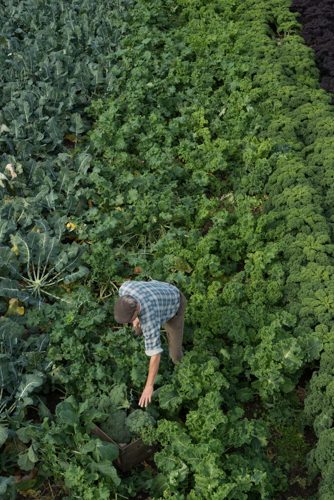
pixel 174 331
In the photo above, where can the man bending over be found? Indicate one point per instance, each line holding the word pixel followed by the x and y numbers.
pixel 148 305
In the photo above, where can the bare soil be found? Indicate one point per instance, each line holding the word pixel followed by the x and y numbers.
pixel 317 18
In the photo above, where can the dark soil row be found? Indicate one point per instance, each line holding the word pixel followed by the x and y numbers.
pixel 317 18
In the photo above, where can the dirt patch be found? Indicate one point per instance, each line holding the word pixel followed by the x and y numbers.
pixel 317 19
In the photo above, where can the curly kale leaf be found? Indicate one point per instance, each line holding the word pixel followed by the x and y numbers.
pixel 139 420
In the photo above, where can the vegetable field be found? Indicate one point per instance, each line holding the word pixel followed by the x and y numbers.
pixel 187 141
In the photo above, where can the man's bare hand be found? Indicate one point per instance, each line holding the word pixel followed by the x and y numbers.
pixel 146 396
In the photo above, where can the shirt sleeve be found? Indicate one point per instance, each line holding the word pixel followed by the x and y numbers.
pixel 151 332
pixel 122 289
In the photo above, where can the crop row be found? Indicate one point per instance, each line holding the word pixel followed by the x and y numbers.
pixel 52 66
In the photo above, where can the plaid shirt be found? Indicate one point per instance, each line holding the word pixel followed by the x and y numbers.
pixel 159 302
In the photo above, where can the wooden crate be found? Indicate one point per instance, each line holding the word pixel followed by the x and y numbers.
pixel 130 454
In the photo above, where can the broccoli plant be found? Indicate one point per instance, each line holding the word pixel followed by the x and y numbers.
pixel 37 264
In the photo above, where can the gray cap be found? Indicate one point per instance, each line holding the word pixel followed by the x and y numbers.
pixel 124 309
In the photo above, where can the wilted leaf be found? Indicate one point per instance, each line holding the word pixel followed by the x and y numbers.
pixel 15 249
pixel 10 168
pixel 71 138
pixel 15 309
pixel 71 226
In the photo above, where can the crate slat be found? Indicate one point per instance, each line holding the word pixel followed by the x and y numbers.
pixel 130 454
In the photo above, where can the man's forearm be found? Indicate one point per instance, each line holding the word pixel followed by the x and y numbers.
pixel 153 369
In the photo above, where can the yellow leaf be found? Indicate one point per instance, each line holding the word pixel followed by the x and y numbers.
pixel 34 494
pixel 15 249
pixel 71 138
pixel 71 226
pixel 11 170
pixel 15 309
pixel 181 265
pixel 20 311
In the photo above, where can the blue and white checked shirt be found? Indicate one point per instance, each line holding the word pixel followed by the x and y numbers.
pixel 159 302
